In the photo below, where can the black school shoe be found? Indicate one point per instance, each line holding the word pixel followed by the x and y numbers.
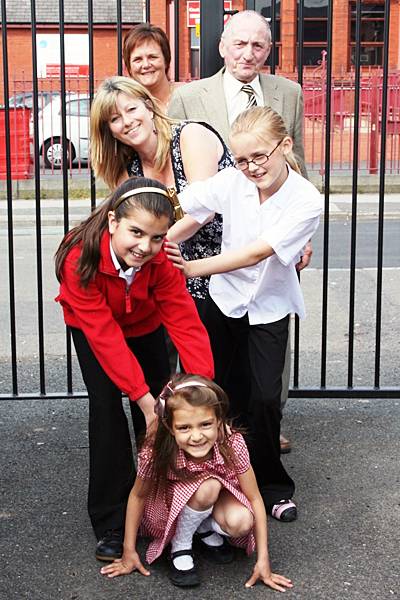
pixel 110 546
pixel 221 555
pixel 189 578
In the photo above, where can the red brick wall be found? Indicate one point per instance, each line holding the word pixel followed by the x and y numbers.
pixel 394 35
pixel 288 35
pixel 340 38
pixel 19 49
pixel 159 14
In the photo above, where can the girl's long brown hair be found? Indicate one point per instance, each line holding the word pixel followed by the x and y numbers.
pixel 162 442
pixel 90 231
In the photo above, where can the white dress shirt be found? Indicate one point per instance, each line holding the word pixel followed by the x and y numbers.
pixel 236 100
pixel 269 290
pixel 129 274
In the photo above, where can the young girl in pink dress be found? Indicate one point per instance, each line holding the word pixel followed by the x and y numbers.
pixel 194 477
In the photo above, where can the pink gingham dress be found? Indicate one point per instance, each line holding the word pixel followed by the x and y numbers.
pixel 162 508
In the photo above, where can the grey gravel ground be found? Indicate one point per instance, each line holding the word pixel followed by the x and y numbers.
pixel 344 545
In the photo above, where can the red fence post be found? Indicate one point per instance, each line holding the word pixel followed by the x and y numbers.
pixel 21 166
pixel 373 147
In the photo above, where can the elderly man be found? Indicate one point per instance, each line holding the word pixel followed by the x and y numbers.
pixel 245 46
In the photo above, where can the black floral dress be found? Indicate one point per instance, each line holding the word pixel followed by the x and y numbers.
pixel 207 241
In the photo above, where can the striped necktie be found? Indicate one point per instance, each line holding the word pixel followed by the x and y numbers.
pixel 247 89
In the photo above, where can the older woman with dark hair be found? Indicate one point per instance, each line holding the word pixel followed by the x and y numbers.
pixel 147 57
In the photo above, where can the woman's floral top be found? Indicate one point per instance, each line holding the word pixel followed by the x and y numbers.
pixel 207 241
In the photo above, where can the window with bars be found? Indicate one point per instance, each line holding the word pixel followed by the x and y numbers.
pixel 315 30
pixel 266 9
pixel 371 31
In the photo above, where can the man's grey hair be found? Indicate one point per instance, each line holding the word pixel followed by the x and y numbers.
pixel 246 14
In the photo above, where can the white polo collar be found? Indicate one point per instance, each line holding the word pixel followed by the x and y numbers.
pixel 129 274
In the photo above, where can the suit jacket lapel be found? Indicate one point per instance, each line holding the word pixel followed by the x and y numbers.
pixel 213 98
pixel 269 90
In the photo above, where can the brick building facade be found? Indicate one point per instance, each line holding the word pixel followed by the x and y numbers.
pixel 19 34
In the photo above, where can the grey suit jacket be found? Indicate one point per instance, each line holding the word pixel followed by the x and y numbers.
pixel 204 100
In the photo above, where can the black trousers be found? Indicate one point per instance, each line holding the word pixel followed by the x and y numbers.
pixel 111 467
pixel 249 361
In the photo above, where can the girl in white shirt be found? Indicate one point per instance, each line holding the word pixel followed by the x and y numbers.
pixel 269 213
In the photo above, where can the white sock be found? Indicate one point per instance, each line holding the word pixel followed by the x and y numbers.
pixel 187 523
pixel 214 539
pixel 217 528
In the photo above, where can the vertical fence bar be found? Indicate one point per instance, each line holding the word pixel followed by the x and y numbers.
pixel 91 94
pixel 119 36
pixel 147 9
pixel 300 39
pixel 176 40
pixel 64 168
pixel 353 238
pixel 212 19
pixel 378 327
pixel 63 117
pixel 39 271
pixel 324 325
pixel 273 33
pixel 10 227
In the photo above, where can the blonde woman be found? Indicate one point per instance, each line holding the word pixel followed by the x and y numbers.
pixel 131 136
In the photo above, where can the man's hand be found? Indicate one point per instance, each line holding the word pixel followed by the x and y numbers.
pixel 306 257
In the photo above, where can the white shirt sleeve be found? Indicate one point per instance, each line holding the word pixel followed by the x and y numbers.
pixel 294 229
pixel 202 198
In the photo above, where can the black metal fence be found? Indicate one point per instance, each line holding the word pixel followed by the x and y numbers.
pixel 317 370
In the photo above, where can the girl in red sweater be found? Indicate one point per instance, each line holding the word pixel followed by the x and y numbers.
pixel 117 289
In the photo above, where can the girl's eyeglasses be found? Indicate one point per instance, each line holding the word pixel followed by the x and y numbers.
pixel 258 159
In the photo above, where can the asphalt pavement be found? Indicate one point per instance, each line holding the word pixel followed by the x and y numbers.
pixel 344 545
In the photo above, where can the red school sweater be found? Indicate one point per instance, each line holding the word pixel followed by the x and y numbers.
pixel 108 313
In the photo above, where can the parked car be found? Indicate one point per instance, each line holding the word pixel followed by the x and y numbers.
pixel 77 130
pixel 25 99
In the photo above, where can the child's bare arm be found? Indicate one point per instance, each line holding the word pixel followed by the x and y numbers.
pixel 231 260
pixel 262 569
pixel 130 560
pixel 185 228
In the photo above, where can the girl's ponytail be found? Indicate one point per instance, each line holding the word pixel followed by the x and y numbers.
pixel 88 233
pixel 292 161
pixel 266 124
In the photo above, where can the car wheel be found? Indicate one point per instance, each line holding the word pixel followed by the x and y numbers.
pixel 52 152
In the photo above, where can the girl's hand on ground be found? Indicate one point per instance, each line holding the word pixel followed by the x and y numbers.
pixel 272 580
pixel 175 256
pixel 124 566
